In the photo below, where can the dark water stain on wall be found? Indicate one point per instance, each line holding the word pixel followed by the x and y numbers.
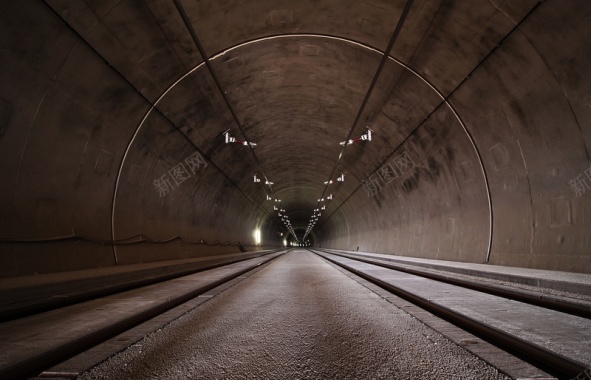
pixel 434 168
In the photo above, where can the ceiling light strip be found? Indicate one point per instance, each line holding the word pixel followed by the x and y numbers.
pixel 385 57
pixel 218 84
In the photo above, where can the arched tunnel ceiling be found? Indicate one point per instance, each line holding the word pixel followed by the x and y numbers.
pixel 478 119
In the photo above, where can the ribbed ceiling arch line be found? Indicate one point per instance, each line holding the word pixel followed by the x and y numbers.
pixel 308 35
pixel 221 53
pixel 131 141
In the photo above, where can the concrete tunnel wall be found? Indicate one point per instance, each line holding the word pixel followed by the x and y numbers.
pixel 480 120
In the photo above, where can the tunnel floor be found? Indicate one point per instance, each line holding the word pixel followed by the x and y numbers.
pixel 299 317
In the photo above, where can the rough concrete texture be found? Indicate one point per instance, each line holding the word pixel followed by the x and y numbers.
pixel 298 318
pixel 111 126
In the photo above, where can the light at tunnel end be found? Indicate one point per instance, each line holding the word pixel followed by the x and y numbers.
pixel 257 236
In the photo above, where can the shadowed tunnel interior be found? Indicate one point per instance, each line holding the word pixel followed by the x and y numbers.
pixel 118 120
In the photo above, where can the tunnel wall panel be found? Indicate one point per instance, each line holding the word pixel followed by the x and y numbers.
pixel 64 147
pixel 66 139
pixel 534 145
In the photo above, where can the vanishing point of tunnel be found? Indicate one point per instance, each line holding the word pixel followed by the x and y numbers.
pixel 454 130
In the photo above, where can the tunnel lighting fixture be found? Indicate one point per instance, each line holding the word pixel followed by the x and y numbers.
pixel 364 137
pixel 230 139
pixel 340 178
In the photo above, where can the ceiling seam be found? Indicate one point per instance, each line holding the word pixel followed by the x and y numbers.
pixel 373 83
pixel 212 72
pixel 165 36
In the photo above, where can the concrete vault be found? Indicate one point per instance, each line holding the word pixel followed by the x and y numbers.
pixel 113 114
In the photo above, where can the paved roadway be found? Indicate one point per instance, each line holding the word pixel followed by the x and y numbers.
pixel 297 318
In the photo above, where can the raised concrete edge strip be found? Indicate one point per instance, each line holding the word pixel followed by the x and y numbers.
pixel 551 283
pixel 48 279
pixel 560 303
pixel 44 297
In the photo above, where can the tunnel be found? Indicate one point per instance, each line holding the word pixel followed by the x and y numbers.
pixel 144 131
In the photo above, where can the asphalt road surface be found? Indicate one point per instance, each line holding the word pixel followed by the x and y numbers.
pixel 297 318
